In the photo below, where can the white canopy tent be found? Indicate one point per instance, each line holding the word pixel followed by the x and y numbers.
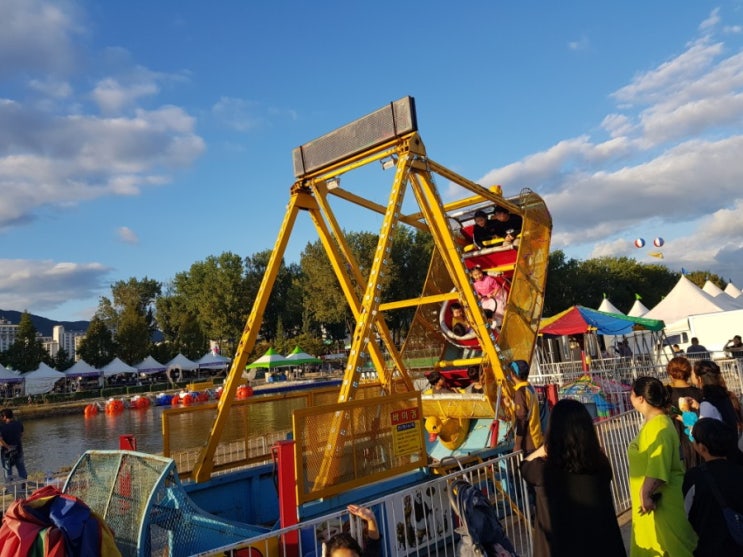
pixel 608 307
pixel 7 376
pixel 213 361
pixel 150 366
pixel 732 290
pixel 638 309
pixel 686 299
pixel 82 369
pixel 182 363
pixel 720 295
pixel 116 367
pixel 41 380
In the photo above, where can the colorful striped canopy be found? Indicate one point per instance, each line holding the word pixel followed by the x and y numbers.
pixel 579 319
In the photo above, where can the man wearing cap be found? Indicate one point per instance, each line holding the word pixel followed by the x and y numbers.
pixel 528 427
pixel 506 225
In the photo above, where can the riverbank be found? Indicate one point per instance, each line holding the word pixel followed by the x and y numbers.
pixel 40 409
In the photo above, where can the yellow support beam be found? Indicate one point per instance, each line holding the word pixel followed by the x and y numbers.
pixel 205 462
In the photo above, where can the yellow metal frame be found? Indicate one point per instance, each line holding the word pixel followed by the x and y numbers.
pixel 322 489
pixel 415 170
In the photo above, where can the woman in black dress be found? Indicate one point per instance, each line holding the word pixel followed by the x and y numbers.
pixel 572 479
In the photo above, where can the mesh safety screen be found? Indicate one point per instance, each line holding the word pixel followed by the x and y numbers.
pixel 341 446
pixel 253 426
pixel 140 497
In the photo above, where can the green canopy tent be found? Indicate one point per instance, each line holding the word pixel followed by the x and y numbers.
pixel 298 357
pixel 269 361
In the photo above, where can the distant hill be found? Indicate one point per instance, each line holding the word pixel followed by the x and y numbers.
pixel 44 325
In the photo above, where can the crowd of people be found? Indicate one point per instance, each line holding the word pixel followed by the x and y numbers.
pixel 685 466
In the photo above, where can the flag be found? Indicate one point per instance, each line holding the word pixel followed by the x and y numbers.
pixel 637 296
pixel 683 271
pixel 656 254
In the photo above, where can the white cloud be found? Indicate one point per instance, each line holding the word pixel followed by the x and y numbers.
pixel 36 35
pixel 673 158
pixel 66 160
pixel 45 285
pixel 580 44
pixel 127 235
pixel 239 114
pixel 113 96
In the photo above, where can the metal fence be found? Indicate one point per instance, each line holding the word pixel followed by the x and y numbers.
pixel 437 534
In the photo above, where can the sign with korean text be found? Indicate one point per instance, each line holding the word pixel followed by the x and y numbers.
pixel 406 431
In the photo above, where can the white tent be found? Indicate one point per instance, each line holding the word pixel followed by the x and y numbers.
pixel 181 362
pixel 116 366
pixel 82 369
pixel 42 379
pixel 150 366
pixel 213 361
pixel 732 290
pixel 685 299
pixel 638 309
pixel 720 295
pixel 608 307
pixel 7 376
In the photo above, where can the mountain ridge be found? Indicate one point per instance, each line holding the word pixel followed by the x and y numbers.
pixel 43 324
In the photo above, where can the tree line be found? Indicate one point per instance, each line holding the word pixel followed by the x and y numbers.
pixel 212 299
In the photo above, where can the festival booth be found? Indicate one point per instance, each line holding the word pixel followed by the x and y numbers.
pixel 181 364
pixel 150 367
pixel 117 367
pixel 213 361
pixel 594 380
pixel 42 380
pixel 269 361
pixel 10 383
pixel 302 359
pixel 82 372
pixel 583 325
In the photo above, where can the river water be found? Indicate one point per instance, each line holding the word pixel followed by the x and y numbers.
pixel 55 443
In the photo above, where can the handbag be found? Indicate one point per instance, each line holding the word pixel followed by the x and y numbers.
pixel 733 519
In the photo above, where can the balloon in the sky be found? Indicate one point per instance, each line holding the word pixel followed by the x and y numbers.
pixel 658 242
pixel 640 242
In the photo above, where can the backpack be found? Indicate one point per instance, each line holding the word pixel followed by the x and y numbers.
pixel 482 534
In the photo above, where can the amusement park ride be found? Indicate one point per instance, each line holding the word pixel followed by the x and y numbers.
pixel 370 440
pixel 390 135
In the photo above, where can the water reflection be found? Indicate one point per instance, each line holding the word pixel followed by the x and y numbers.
pixel 55 443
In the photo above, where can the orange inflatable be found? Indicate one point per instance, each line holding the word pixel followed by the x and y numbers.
pixel 175 400
pixel 187 399
pixel 91 410
pixel 140 402
pixel 244 391
pixel 114 406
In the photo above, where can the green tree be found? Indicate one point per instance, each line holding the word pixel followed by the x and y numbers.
pixel 285 300
pixel 132 336
pixel 191 340
pixel 139 294
pixel 701 277
pixel 214 290
pixel 97 346
pixel 62 360
pixel 27 352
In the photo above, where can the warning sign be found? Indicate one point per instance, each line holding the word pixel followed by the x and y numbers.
pixel 406 431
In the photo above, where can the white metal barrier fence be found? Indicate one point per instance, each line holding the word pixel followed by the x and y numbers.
pixel 419 520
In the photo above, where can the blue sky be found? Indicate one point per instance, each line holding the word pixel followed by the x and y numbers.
pixel 139 137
